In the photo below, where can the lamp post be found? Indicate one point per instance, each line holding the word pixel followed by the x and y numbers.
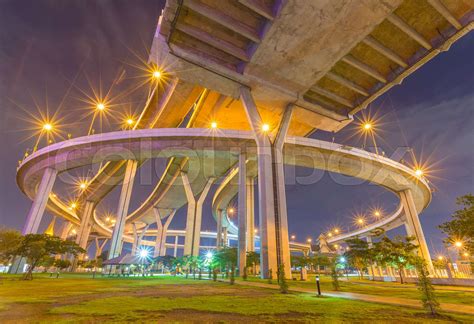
pixel 318 286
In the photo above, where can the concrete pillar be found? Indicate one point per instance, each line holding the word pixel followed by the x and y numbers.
pixel 137 237
pixel 175 250
pixel 219 229
pixel 194 218
pixel 99 247
pixel 86 226
pixel 224 239
pixel 35 215
pixel 242 213
pixel 413 227
pixel 266 196
pixel 65 228
pixel 273 220
pixel 283 242
pixel 162 229
pixel 250 215
pixel 122 209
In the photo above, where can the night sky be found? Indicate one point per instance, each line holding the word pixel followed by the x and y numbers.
pixel 53 52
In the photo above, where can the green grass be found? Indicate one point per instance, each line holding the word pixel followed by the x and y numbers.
pixel 377 288
pixel 75 298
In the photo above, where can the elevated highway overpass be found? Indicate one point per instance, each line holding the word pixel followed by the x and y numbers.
pixel 296 67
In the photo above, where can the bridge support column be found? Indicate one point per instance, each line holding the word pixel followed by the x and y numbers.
pixel 122 209
pixel 274 243
pixel 250 215
pixel 194 218
pixel 242 213
pixel 35 215
pixel 162 229
pixel 224 239
pixel 137 237
pixel 65 228
pixel 86 226
pixel 219 229
pixel 99 247
pixel 175 250
pixel 413 227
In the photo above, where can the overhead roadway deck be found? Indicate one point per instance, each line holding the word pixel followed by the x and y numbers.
pixel 328 58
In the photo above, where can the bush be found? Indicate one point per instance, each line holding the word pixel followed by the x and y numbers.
pixel 428 297
pixel 282 279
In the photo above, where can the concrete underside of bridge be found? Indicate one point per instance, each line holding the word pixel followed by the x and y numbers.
pixel 248 62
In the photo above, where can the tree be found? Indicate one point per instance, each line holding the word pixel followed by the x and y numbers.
pixel 334 274
pixel 282 280
pixel 359 254
pixel 428 297
pixel 253 259
pixel 319 260
pixel 61 265
pixel 398 252
pixel 10 240
pixel 37 248
pixel 460 227
pixel 227 257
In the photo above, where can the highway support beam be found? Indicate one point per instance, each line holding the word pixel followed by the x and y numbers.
pixel 35 215
pixel 242 214
pixel 137 237
pixel 413 227
pixel 219 229
pixel 122 209
pixel 162 229
pixel 273 219
pixel 82 236
pixel 250 215
pixel 194 217
pixel 99 247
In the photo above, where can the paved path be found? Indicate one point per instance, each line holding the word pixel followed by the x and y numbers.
pixel 457 308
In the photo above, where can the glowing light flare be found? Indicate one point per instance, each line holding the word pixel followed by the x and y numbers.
pixel 336 230
pixel 143 253
pixel 47 127
pixel 458 244
pixel 100 106
pixel 309 240
pixel 209 255
pixel 214 125
pixel 156 74
pixel 231 210
pixel 419 172
pixel 377 213
pixel 265 127
pixel 440 257
pixel 293 237
pixel 367 126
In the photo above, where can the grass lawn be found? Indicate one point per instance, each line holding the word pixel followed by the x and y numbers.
pixel 445 294
pixel 79 298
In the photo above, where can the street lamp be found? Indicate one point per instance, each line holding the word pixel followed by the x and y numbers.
pixel 156 74
pixel 265 127
pixel 47 127
pixel 214 125
pixel 293 237
pixel 100 106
